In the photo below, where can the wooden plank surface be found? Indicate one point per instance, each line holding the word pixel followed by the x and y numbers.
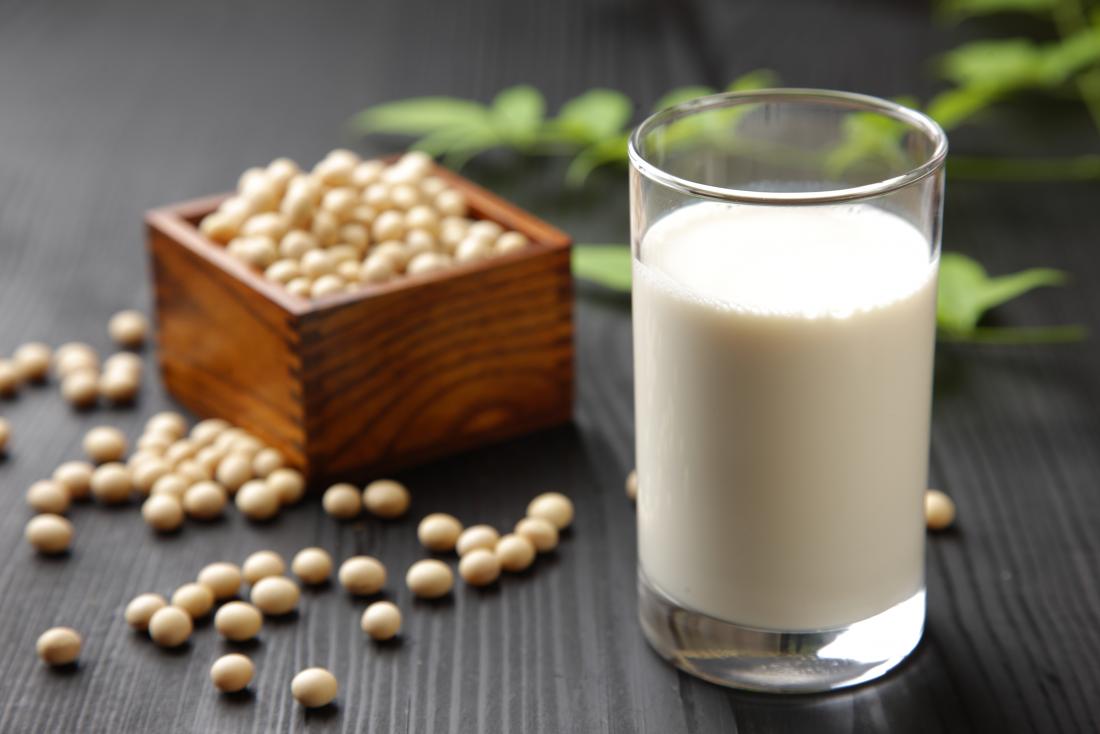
pixel 108 109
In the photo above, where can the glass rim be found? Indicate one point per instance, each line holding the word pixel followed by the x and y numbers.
pixel 860 102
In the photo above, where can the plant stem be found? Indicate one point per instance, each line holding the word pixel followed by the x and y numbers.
pixel 1070 18
pixel 980 168
pixel 1013 335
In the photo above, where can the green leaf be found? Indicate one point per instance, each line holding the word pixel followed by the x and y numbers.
pixel 954 106
pixel 866 136
pixel 966 291
pixel 755 79
pixel 518 113
pixel 680 95
pixel 961 9
pixel 1003 63
pixel 422 116
pixel 593 116
pixel 608 265
pixel 1062 60
pixel 605 152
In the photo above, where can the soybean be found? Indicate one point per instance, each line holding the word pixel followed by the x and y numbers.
pixel 59 645
pixel 231 673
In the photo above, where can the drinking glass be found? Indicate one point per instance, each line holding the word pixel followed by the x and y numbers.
pixel 785 251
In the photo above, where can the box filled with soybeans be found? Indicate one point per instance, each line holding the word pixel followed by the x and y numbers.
pixel 364 315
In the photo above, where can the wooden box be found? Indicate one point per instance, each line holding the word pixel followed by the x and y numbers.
pixel 355 384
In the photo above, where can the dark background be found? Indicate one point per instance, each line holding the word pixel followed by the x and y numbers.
pixel 107 109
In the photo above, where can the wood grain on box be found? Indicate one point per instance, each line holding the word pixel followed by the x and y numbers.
pixel 387 376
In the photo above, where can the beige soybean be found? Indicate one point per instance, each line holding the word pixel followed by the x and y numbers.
pixel 162 512
pixel 77 478
pixel 477 536
pixel 418 241
pixel 233 471
pixel 553 506
pixel 156 443
pixel 75 356
pixel 167 422
pixel 312 565
pixel 194 598
pixel 327 285
pixel 432 185
pixel 238 621
pixel 181 450
pixel 381 620
pixel 204 500
pixel 314 687
pixel 404 196
pixel 146 473
pixel 394 251
pixel 192 471
pixel 257 501
pixel 540 531
pixel 172 485
pixel 111 483
pixel 104 443
pixel 389 225
pixel 427 262
pixel 451 203
pixel 170 626
pixel 342 501
pixel 59 646
pixel 348 270
pixel 377 268
pixel 275 595
pixel 49 533
pixel 81 388
pixel 515 553
pixel 366 173
pixel 281 171
pixel 472 248
pixel 128 328
pixel 141 456
pixel 510 242
pixel 266 461
pixel 10 379
pixel 231 673
pixel 386 498
pixel 439 532
pixel 479 567
pixel 262 564
pixel 207 431
pixel 32 361
pixel 142 608
pixel 632 485
pixel 289 485
pixel 429 578
pixel 119 387
pixel 48 495
pixel 939 510
pixel 362 575
pixel 125 363
pixel 222 578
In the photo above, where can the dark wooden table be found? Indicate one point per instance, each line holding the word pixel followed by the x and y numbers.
pixel 109 108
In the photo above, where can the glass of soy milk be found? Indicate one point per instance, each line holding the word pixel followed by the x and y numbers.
pixel 786 245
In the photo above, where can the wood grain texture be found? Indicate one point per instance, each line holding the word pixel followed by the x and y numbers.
pixel 112 108
pixel 388 376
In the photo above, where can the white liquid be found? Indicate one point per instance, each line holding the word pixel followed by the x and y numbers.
pixel 783 373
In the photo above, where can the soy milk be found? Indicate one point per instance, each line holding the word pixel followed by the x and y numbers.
pixel 783 370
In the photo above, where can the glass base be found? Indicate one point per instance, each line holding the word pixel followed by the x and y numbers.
pixel 779 662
